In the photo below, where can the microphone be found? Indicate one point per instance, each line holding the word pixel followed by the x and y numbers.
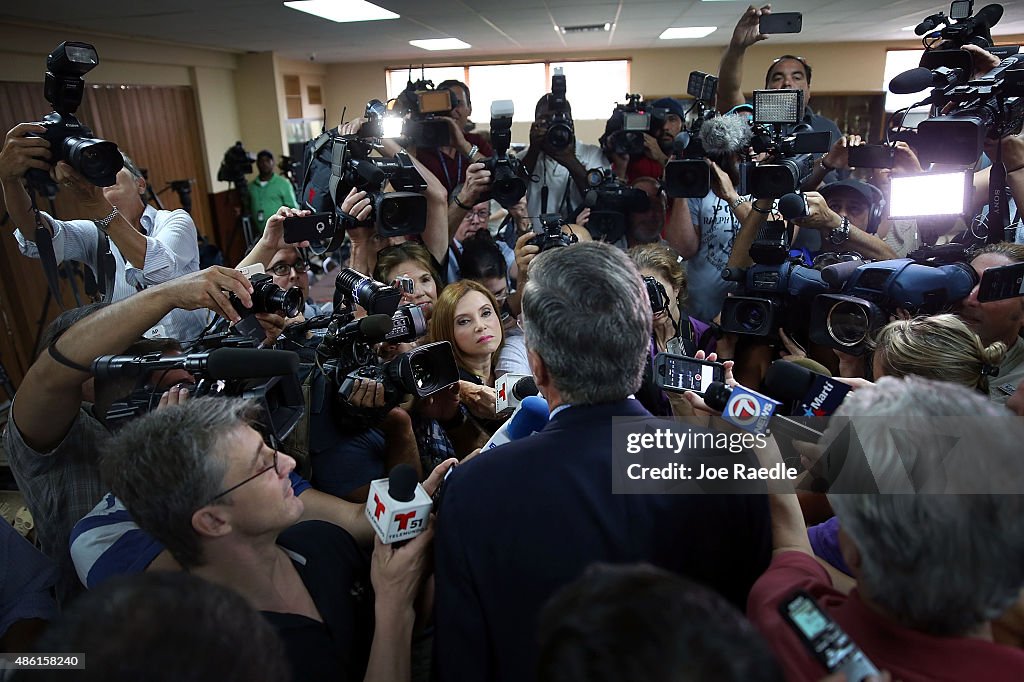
pixel 724 134
pixel 837 274
pixel 753 412
pixel 929 23
pixel 816 395
pixel 530 417
pixel 793 205
pixel 921 78
pixel 509 391
pixel 221 363
pixel 397 506
pixel 372 328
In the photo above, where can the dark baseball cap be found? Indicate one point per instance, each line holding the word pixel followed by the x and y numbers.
pixel 265 152
pixel 673 106
pixel 870 193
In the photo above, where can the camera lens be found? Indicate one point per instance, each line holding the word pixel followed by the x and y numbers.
pixel 752 316
pixel 97 160
pixel 848 323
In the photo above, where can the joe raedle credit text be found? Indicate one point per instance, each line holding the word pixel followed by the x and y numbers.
pixel 659 456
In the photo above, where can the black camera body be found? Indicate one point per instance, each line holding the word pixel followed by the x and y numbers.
pixel 657 295
pixel 267 297
pixel 352 287
pixel 791 161
pixel 509 176
pixel 635 118
pixel 424 105
pixel 236 164
pixel 401 212
pixel 874 291
pixel 98 161
pixel 551 235
pixel 561 131
pixel 610 200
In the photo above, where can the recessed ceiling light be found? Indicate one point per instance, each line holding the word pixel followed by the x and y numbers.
pixel 441 44
pixel 584 28
pixel 342 10
pixel 687 32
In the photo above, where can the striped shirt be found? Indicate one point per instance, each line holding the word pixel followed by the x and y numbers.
pixel 172 250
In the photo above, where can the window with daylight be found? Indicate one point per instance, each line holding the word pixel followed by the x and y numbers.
pixel 591 87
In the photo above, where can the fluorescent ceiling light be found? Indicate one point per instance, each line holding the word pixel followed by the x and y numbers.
pixel 342 10
pixel 909 28
pixel 687 32
pixel 441 44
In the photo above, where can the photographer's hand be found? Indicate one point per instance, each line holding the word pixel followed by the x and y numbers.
pixel 357 204
pixel 721 183
pixel 748 29
pixel 21 153
pixel 839 155
pixel 458 136
pixel 367 393
pixel 272 239
pixel 525 252
pixel 652 150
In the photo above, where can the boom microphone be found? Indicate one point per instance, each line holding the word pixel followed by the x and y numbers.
pixel 921 78
pixel 372 328
pixel 222 363
pixel 724 134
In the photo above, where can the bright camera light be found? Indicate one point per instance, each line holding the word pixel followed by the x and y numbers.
pixel 928 194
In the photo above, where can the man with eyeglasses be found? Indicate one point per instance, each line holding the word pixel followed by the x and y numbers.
pixel 471 222
pixel 206 484
pixel 786 72
pixel 290 268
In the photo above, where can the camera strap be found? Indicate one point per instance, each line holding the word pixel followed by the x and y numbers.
pixel 444 166
pixel 106 265
pixel 44 245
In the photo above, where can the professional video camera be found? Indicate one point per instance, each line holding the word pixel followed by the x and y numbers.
pixel 423 106
pixel 610 200
pixel 334 164
pixel 774 292
pixel 791 145
pixel 267 376
pixel 346 353
pixel 561 131
pixel 236 164
pixel 960 27
pixel 690 176
pixel 508 174
pixel 630 122
pixel 550 235
pixel 872 292
pixel 70 140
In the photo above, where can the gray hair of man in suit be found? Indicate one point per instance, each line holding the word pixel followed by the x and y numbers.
pixel 588 318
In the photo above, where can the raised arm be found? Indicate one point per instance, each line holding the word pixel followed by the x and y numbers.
pixel 730 71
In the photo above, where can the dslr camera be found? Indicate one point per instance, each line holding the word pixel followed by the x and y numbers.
pixel 98 161
pixel 550 235
pixel 610 200
pixel 561 132
pixel 508 174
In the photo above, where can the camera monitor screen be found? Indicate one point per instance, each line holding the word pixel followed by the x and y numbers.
pixel 434 101
pixel 929 194
pixel 636 121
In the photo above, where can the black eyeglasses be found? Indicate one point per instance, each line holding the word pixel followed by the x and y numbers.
pixel 273 444
pixel 283 269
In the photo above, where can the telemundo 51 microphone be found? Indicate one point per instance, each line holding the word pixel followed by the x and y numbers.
pixel 398 507
pixel 755 413
pixel 509 391
pixel 531 416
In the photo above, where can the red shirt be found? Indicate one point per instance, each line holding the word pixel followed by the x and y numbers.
pixel 451 171
pixel 910 656
pixel 643 167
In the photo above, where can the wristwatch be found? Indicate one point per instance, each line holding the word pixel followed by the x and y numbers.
pixel 840 234
pixel 472 152
pixel 104 223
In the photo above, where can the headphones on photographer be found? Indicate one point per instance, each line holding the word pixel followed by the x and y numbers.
pixel 876 211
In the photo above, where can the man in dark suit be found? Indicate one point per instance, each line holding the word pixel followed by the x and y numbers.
pixel 522 520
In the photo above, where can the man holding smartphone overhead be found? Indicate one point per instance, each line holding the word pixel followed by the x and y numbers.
pixel 785 72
